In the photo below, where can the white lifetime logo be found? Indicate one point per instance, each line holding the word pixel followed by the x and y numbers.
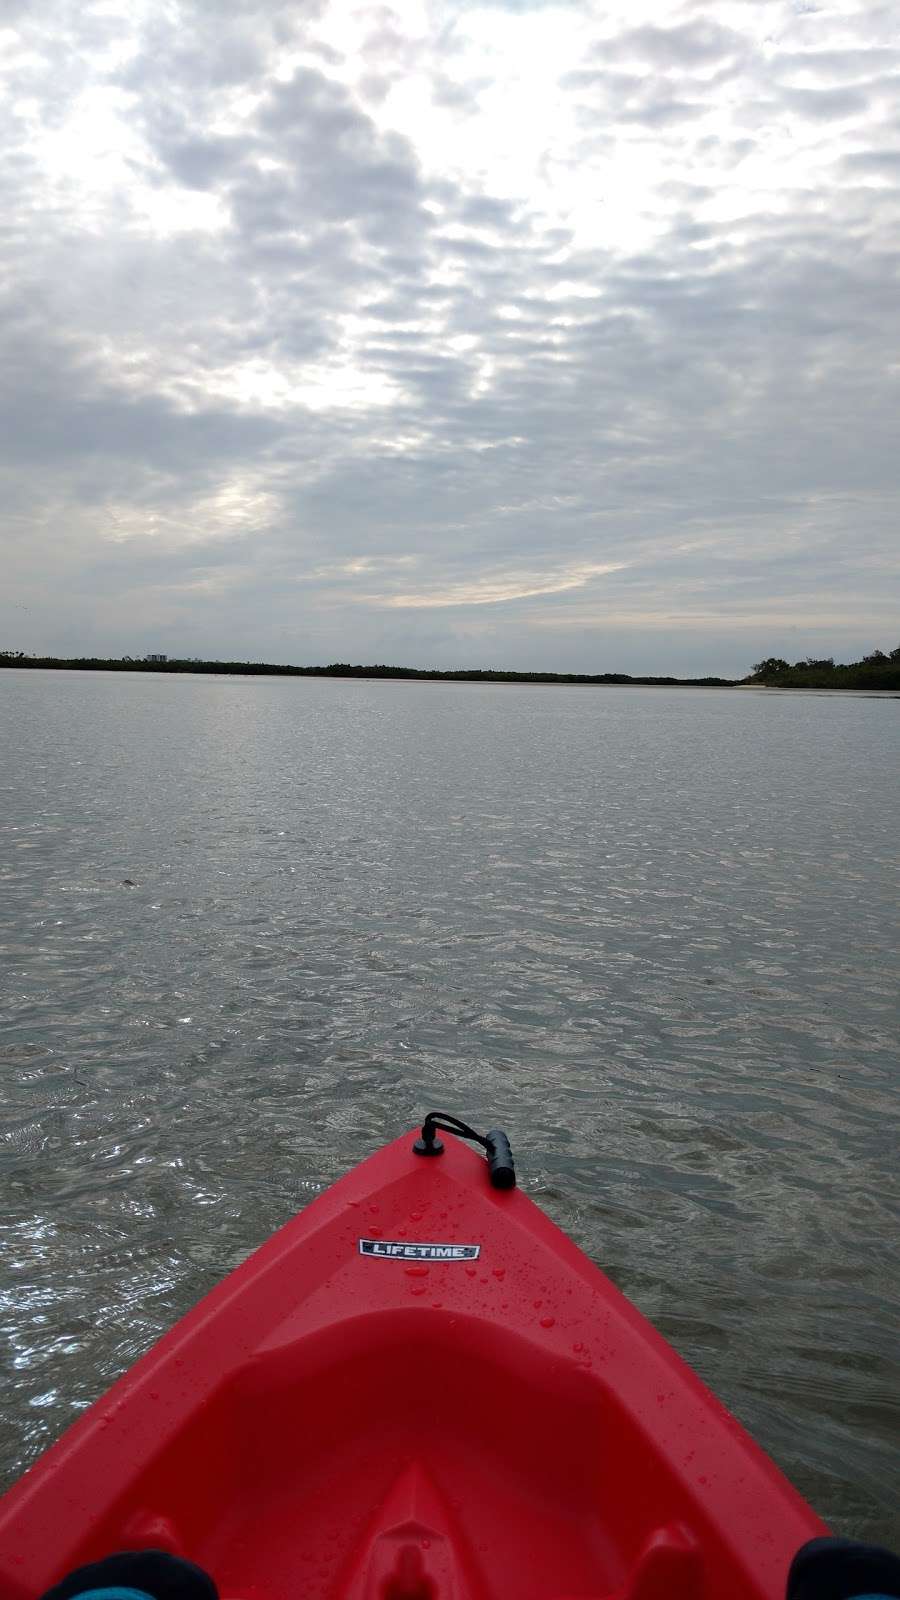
pixel 401 1250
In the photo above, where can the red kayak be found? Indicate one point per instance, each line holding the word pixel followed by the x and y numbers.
pixel 419 1389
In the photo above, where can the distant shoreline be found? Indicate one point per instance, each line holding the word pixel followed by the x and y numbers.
pixel 345 670
pixel 857 677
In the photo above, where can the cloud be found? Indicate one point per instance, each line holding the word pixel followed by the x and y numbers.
pixel 873 164
pixel 557 333
pixel 695 45
pixel 498 588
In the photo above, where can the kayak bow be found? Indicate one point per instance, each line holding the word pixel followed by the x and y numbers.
pixel 418 1389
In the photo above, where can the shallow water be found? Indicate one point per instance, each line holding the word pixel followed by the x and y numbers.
pixel 651 932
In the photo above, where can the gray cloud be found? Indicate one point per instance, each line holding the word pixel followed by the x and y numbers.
pixel 699 43
pixel 826 105
pixel 873 163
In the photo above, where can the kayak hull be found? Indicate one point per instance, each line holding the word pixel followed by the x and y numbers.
pixel 369 1410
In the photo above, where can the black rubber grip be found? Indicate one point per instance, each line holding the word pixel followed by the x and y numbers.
pixel 501 1167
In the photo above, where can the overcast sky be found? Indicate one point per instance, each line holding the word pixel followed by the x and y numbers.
pixel 450 334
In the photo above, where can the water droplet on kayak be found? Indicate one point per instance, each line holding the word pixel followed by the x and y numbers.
pixel 426 1544
pixel 415 1216
pixel 374 1209
pixel 416 1272
pixel 376 1232
pixel 537 1304
pixel 436 1306
pixel 470 1272
pixel 154 1394
pixel 578 1346
pixel 417 1288
pixel 547 1322
pixel 500 1272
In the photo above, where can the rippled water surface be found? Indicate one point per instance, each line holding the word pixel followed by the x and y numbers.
pixel 251 928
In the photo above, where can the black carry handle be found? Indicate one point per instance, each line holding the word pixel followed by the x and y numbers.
pixel 500 1160
pixel 501 1167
